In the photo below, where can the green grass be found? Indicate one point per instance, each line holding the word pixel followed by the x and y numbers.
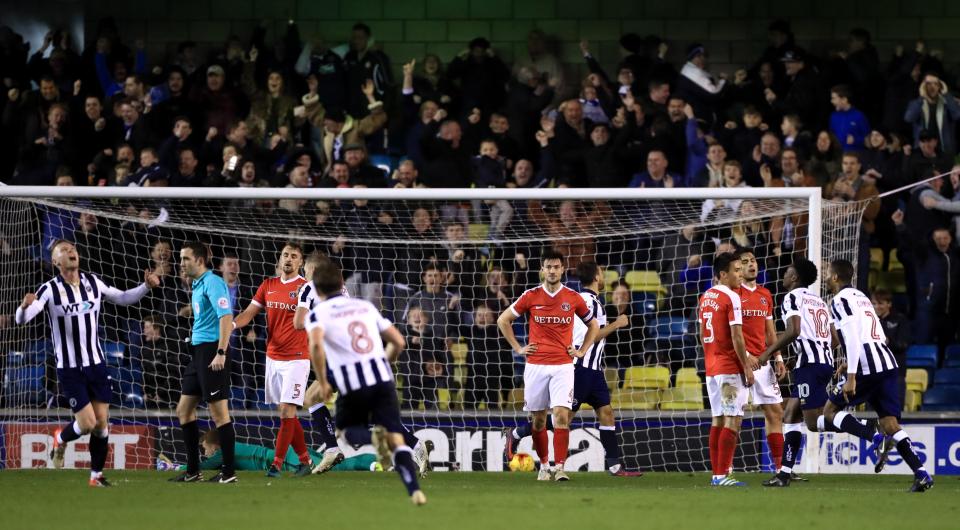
pixel 459 501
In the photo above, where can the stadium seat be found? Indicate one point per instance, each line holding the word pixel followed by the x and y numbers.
pixel 892 281
pixel 647 377
pixel 443 398
pixel 612 375
pixel 610 277
pixel 668 328
pixel 876 259
pixel 952 356
pixel 922 356
pixel 895 264
pixel 912 401
pixel 630 399
pixel 478 231
pixel 385 162
pixel 644 303
pixel 917 380
pixel 682 398
pixel 648 281
pixel 942 398
pixel 459 350
pixel 115 353
pixel 127 385
pixel 688 377
pixel 947 377
pixel 24 385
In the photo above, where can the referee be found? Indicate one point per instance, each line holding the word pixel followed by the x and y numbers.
pixel 206 377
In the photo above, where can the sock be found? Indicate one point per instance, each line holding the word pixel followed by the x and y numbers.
pixel 523 430
pixel 792 438
pixel 409 438
pixel 323 424
pixel 403 463
pixel 299 442
pixel 227 440
pixel 357 436
pixel 561 442
pixel 98 450
pixel 191 439
pixel 775 442
pixel 284 435
pixel 823 426
pixel 540 442
pixel 715 450
pixel 608 438
pixel 69 433
pixel 850 425
pixel 906 450
pixel 727 445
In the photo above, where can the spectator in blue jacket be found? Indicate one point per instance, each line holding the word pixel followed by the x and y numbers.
pixel 656 175
pixel 934 110
pixel 847 123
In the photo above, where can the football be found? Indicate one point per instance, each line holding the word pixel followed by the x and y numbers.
pixel 521 462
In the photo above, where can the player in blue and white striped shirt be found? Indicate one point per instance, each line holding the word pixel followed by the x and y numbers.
pixel 808 334
pixel 589 383
pixel 871 376
pixel 73 300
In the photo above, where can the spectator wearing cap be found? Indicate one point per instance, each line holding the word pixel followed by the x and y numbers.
pixel 935 111
pixel 221 105
pixel 802 94
pixel 482 76
pixel 926 161
pixel 334 129
pixel 847 123
pixel 317 59
pixel 698 87
pixel 362 172
pixel 362 63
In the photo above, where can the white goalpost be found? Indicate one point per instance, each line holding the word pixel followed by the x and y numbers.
pixel 441 264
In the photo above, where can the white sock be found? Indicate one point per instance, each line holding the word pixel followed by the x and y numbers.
pixel 614 468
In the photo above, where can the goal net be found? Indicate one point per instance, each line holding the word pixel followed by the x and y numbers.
pixel 442 265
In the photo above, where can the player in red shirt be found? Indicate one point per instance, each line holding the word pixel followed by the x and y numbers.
pixel 729 367
pixel 759 331
pixel 288 359
pixel 549 373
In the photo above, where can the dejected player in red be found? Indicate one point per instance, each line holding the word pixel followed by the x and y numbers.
pixel 549 374
pixel 288 359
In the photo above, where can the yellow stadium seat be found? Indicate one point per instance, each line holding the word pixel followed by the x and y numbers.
pixel 459 352
pixel 687 377
pixel 876 259
pixel 612 375
pixel 641 377
pixel 682 398
pixel 628 399
pixel 647 281
pixel 478 231
pixel 585 406
pixel 895 264
pixel 515 399
pixel 917 379
pixel 892 281
pixel 443 398
pixel 912 401
pixel 610 277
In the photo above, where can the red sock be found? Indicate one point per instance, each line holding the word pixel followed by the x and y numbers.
pixel 561 441
pixel 727 445
pixel 540 445
pixel 299 442
pixel 284 435
pixel 775 441
pixel 714 449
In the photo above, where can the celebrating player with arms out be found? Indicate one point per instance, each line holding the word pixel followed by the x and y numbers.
pixel 73 300
pixel 288 362
pixel 729 366
pixel 349 333
pixel 589 385
pixel 548 377
pixel 759 331
pixel 871 376
pixel 808 334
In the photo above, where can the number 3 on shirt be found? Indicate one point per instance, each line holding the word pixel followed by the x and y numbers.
pixel 708 325
pixel 360 339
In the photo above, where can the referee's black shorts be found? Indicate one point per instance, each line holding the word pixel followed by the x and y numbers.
pixel 200 380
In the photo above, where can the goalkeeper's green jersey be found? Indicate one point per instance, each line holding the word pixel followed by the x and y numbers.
pixel 250 457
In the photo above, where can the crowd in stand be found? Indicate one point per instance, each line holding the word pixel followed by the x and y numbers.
pixel 305 113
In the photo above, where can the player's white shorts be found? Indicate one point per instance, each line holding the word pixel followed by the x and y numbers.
pixel 765 389
pixel 547 385
pixel 727 395
pixel 286 381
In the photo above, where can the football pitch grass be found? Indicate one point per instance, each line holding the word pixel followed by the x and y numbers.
pixel 458 501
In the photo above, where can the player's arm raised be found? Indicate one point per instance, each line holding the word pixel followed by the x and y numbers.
pixel 32 305
pixel 505 323
pixel 740 346
pixel 130 296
